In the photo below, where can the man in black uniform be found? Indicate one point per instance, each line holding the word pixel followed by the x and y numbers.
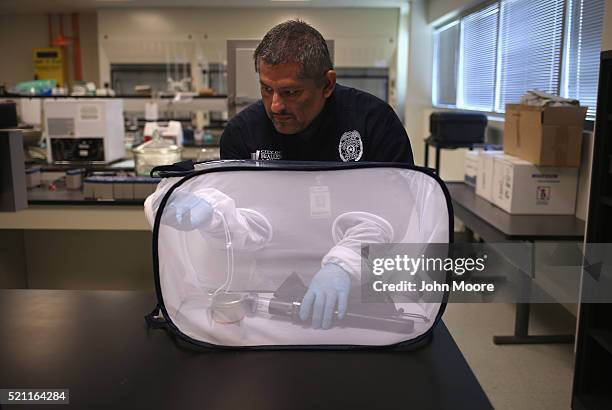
pixel 304 115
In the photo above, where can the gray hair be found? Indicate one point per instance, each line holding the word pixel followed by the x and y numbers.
pixel 294 41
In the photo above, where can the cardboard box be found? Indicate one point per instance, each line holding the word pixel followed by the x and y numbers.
pixel 471 167
pixel 549 136
pixel 484 177
pixel 520 187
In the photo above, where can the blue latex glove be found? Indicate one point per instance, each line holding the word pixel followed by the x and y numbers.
pixel 186 211
pixel 328 288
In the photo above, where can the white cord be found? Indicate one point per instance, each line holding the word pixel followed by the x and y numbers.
pixel 230 256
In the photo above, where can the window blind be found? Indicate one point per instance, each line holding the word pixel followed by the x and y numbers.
pixel 585 26
pixel 478 59
pixel 492 56
pixel 531 38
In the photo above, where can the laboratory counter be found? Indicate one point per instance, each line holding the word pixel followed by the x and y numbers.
pixel 50 246
pixel 62 196
pixel 96 344
pixel 47 244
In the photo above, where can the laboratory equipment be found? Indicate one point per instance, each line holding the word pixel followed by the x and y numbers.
pixel 35 87
pixel 49 64
pixel 209 154
pixel 451 127
pixel 30 111
pixel 272 218
pixel 74 178
pixel 8 114
pixel 33 177
pixel 158 151
pixel 232 308
pixel 180 85
pixel 286 303
pixel 172 130
pixel 229 307
pixel 84 130
pixel 392 323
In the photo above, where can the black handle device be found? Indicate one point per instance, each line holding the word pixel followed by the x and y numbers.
pixel 351 319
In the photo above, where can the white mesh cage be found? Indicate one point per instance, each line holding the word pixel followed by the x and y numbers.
pixel 233 277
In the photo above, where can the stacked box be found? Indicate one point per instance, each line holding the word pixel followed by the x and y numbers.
pixel 484 176
pixel 520 187
pixel 549 136
pixel 471 167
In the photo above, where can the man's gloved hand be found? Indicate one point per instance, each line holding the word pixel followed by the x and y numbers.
pixel 328 288
pixel 186 211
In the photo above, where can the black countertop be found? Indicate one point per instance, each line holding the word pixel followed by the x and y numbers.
pixel 96 344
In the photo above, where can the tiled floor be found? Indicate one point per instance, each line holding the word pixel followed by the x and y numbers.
pixel 521 377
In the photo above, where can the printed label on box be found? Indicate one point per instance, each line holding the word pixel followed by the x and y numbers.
pixel 543 195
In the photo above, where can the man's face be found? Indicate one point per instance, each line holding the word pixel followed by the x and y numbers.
pixel 292 102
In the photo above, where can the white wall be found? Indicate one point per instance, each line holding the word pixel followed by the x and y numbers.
pixel 399 69
pixel 363 37
pixel 89 47
pixel 21 33
pixel 438 10
pixel 606 42
pixel 418 94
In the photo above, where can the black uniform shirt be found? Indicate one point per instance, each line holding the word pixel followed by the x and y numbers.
pixel 353 126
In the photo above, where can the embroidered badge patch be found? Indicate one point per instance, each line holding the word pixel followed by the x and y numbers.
pixel 350 147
